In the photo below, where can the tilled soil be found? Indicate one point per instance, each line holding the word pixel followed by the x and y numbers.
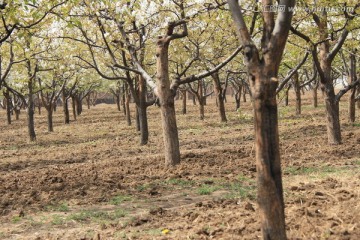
pixel 71 184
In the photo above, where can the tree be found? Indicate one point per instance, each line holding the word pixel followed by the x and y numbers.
pixel 263 65
pixel 324 53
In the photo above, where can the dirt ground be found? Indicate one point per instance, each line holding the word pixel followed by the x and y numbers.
pixel 92 180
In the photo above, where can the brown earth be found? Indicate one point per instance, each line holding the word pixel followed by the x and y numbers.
pixel 92 180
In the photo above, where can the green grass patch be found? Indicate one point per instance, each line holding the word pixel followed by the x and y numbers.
pixel 97 215
pixel 310 170
pixel 16 219
pixel 356 124
pixel 58 220
pixel 60 207
pixel 119 199
pixel 180 182
pixel 241 190
pixel 206 189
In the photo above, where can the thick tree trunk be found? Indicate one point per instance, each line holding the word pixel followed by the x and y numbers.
pixel 117 97
pixel 8 106
pixel 201 108
pixel 315 96
pixel 237 100
pixel 358 94
pixel 73 104
pixel 220 100
pixel 270 191
pixel 123 100
pixel 142 108
pixel 352 78
pixel 79 108
pixel 297 93
pixel 127 109
pixel 39 108
pixel 50 119
pixel 66 109
pixel 17 113
pixel 30 113
pixel 184 96
pixel 286 97
pixel 88 101
pixel 167 106
pixel 332 113
pixel 244 94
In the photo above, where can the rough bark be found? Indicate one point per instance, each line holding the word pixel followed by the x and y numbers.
pixel 142 110
pixel 50 119
pixel 332 114
pixel 167 106
pixel 30 113
pixel 127 108
pixel 352 78
pixel 219 97
pixel 66 109
pixel 263 66
pixel 270 192
pixel 315 95
pixel 297 93
pixel 73 104
pixel 8 106
pixel 184 96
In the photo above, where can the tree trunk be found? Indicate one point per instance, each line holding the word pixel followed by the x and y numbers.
pixel 287 97
pixel 50 118
pixel 358 94
pixel 220 100
pixel 73 104
pixel 201 108
pixel 167 106
pixel 193 99
pixel 315 97
pixel 142 108
pixel 39 107
pixel 127 109
pixel 66 109
pixel 244 94
pixel 297 93
pixel 8 106
pixel 332 113
pixel 143 123
pixel 88 101
pixel 270 191
pixel 30 113
pixel 78 105
pixel 352 78
pixel 184 96
pixel 117 97
pixel 17 113
pixel 237 100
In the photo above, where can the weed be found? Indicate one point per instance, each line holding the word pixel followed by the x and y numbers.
pixel 206 189
pixel 180 182
pixel 309 170
pixel 117 200
pixel 61 207
pixel 97 215
pixel 58 220
pixel 243 178
pixel 142 188
pixel 239 190
pixel 16 219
